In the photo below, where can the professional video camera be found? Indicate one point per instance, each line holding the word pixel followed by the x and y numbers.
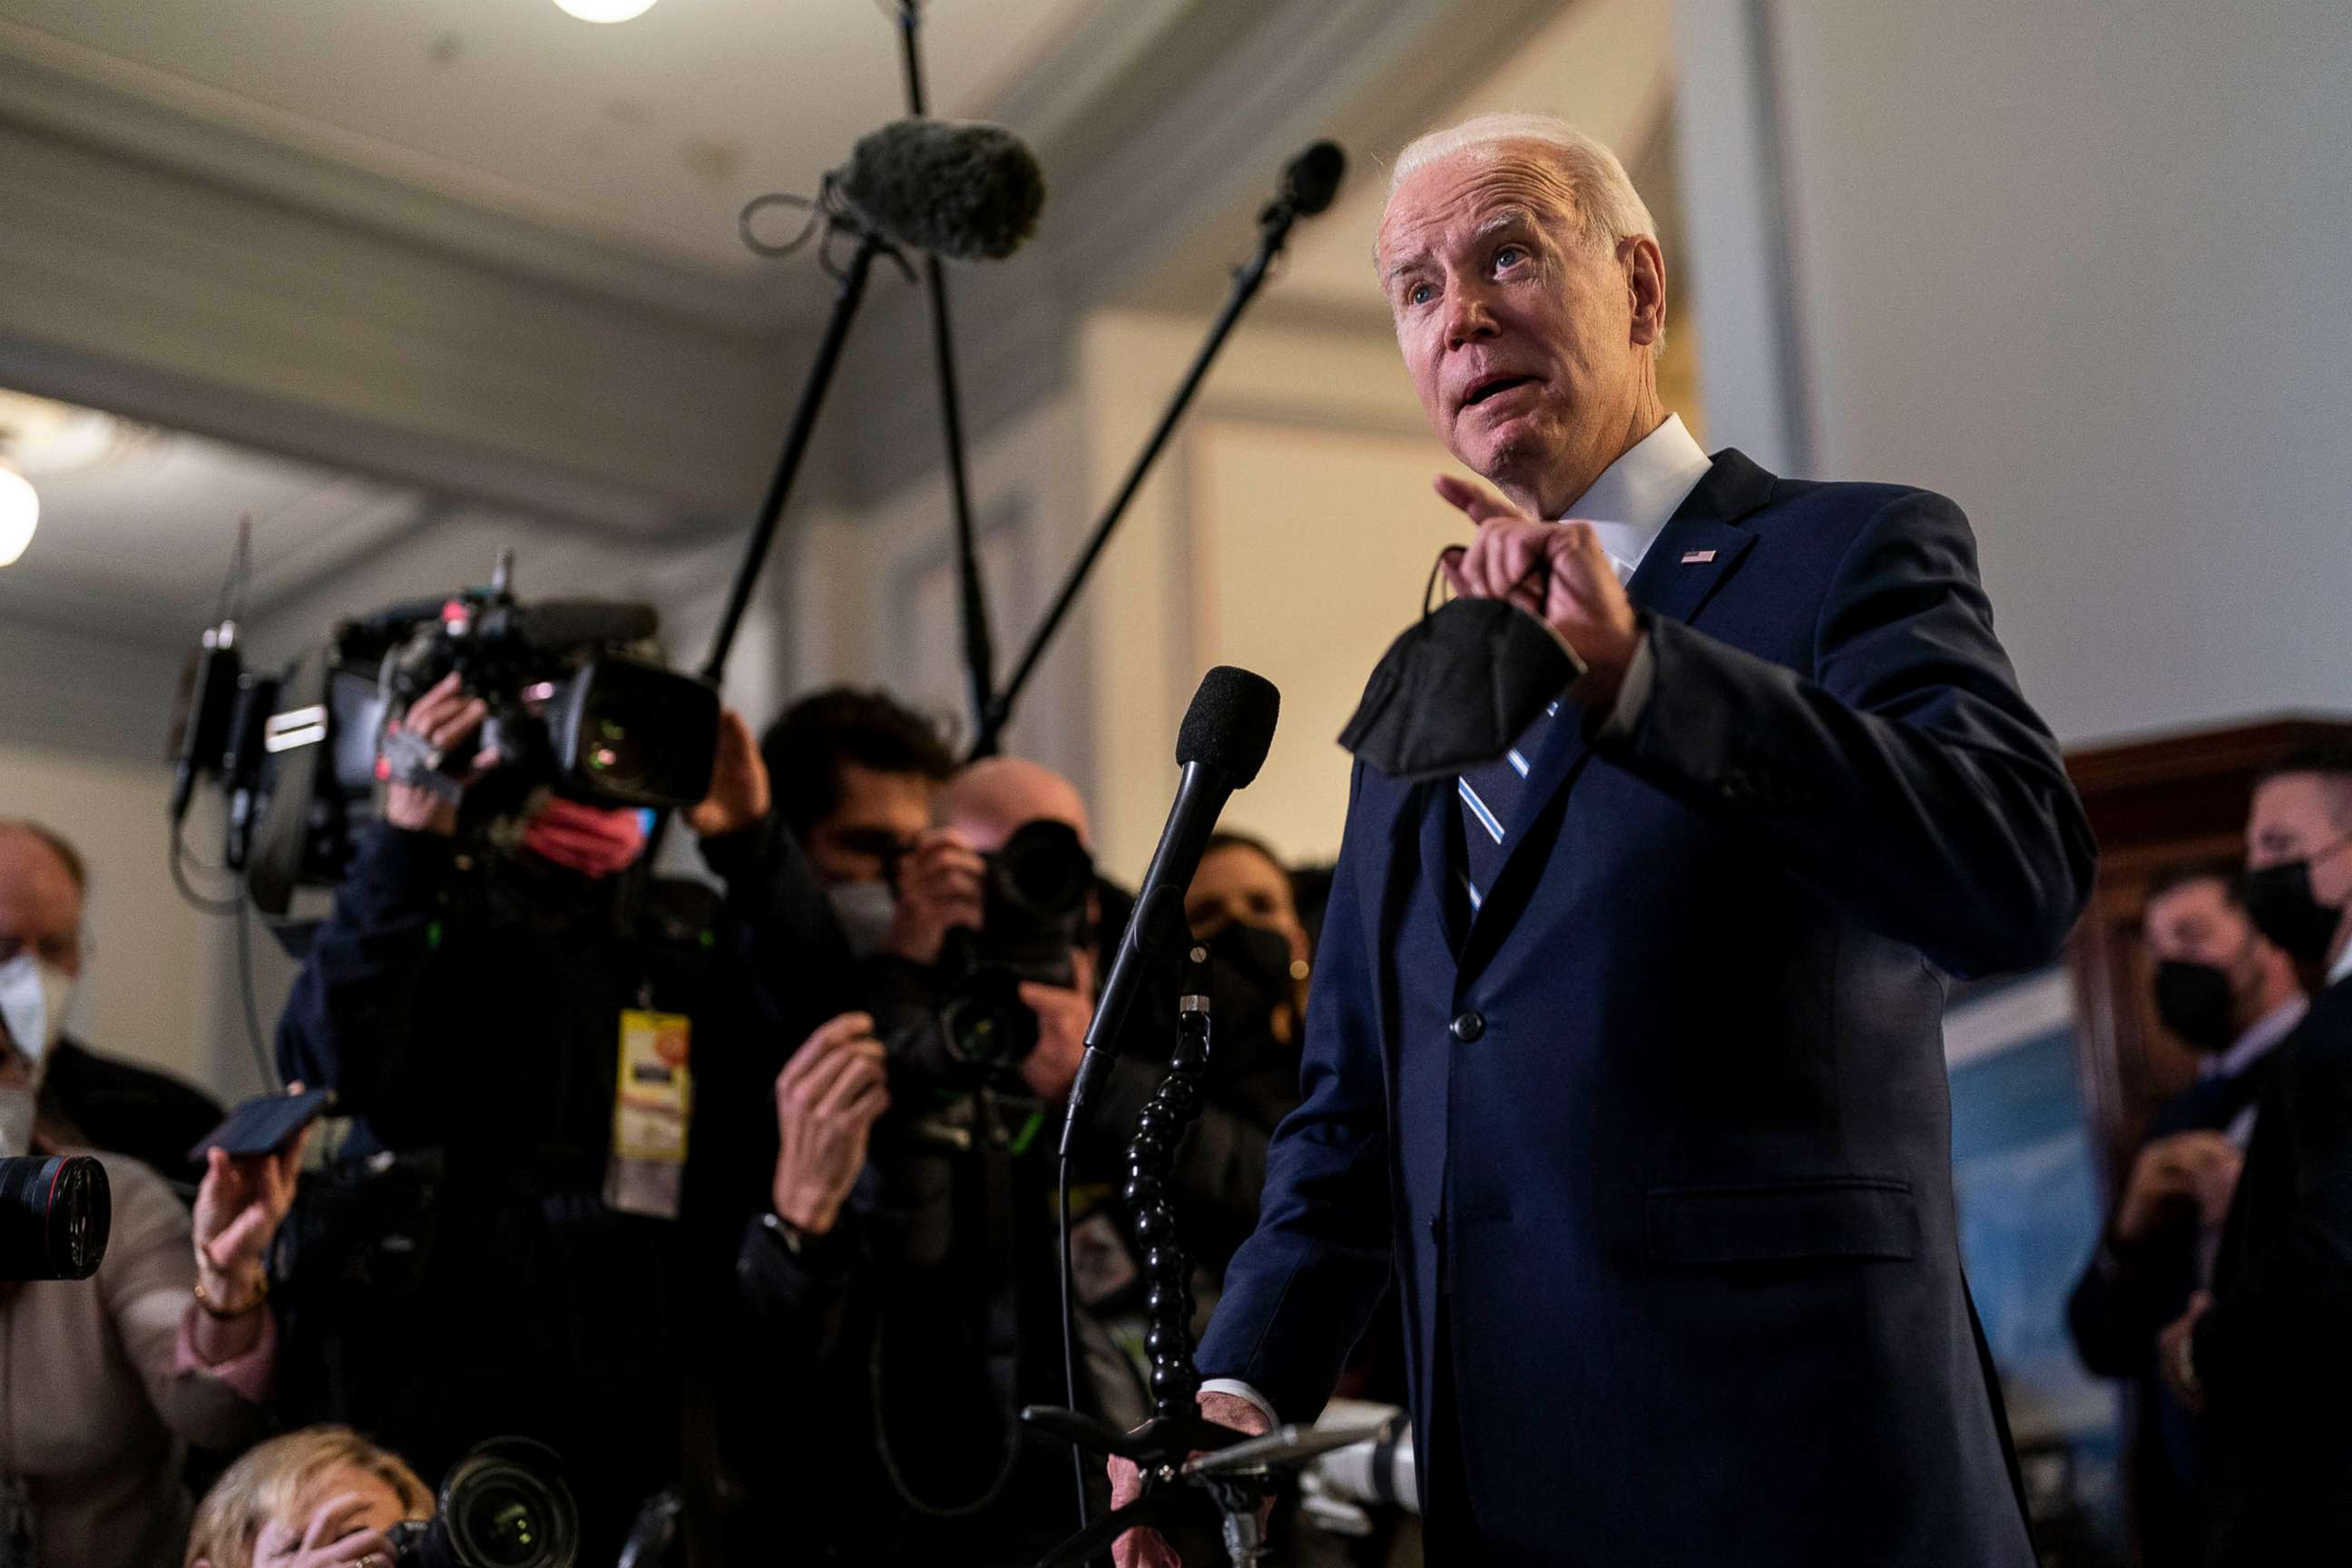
pixel 55 1213
pixel 579 701
pixel 504 1505
pixel 1033 919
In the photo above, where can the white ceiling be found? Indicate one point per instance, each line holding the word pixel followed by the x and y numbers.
pixel 648 134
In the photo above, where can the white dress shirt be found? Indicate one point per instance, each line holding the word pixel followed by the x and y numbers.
pixel 1628 505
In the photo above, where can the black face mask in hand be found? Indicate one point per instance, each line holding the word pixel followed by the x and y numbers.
pixel 2195 1003
pixel 1458 688
pixel 2279 899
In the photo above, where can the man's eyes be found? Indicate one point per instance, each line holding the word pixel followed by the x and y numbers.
pixel 1508 255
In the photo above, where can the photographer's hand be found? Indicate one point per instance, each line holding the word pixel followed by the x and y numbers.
pixel 940 885
pixel 1062 1019
pixel 827 1099
pixel 738 783
pixel 334 1537
pixel 446 719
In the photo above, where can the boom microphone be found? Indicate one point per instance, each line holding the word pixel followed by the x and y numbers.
pixel 1220 746
pixel 966 190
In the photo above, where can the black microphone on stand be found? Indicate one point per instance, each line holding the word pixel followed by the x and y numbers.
pixel 1220 746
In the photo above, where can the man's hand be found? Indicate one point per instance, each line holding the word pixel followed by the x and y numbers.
pixel 738 783
pixel 1063 1014
pixel 1146 1548
pixel 2174 1357
pixel 2198 1167
pixel 940 885
pixel 240 1203
pixel 446 719
pixel 1555 571
pixel 827 1099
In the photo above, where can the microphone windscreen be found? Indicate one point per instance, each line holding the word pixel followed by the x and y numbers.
pixel 1230 725
pixel 965 190
pixel 1310 180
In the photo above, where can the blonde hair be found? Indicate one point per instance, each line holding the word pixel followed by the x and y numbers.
pixel 273 1480
pixel 1608 207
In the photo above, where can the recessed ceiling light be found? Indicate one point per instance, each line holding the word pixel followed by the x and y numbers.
pixel 605 10
pixel 20 509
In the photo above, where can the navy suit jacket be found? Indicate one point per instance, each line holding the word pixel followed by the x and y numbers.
pixel 1667 1117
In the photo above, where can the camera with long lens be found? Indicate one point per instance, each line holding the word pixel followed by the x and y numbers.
pixel 579 701
pixel 504 1505
pixel 1034 918
pixel 55 1213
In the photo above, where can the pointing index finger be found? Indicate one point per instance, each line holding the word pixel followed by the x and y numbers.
pixel 1473 500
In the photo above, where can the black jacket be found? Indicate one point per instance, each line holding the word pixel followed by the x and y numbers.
pixel 126 1110
pixel 2127 1293
pixel 459 1275
pixel 2274 1352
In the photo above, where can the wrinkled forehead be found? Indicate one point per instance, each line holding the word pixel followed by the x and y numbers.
pixel 1457 197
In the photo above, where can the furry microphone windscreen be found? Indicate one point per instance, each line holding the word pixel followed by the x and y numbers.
pixel 968 191
pixel 1230 725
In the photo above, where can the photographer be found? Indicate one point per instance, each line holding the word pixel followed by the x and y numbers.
pixel 105 1381
pixel 99 1101
pixel 924 1278
pixel 319 1498
pixel 493 1251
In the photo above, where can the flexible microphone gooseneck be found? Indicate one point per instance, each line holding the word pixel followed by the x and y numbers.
pixel 1220 746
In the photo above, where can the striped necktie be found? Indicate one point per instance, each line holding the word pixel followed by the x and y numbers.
pixel 1490 796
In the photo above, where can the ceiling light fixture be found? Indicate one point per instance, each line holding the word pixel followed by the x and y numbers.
pixel 605 10
pixel 20 509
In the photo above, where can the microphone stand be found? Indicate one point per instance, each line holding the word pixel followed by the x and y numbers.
pixel 978 649
pixel 847 295
pixel 1274 231
pixel 1163 1446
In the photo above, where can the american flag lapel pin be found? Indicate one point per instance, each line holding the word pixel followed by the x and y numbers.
pixel 1698 557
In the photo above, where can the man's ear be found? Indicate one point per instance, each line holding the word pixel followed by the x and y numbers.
pixel 1645 286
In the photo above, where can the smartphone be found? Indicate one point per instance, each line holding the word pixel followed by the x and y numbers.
pixel 265 1123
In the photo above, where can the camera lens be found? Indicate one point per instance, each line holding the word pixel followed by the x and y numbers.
pixel 55 1213
pixel 1045 870
pixel 505 1506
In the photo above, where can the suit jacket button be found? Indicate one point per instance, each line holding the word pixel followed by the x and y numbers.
pixel 1466 1028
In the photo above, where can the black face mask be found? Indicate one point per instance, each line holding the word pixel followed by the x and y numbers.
pixel 1457 688
pixel 1247 975
pixel 2195 1001
pixel 2280 902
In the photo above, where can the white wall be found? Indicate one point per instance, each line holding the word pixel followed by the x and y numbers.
pixel 2083 266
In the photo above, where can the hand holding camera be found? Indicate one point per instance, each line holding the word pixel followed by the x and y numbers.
pixel 738 794
pixel 827 1099
pixel 330 1539
pixel 942 885
pixel 1063 1013
pixel 421 794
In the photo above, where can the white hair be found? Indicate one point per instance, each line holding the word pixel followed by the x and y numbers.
pixel 1608 207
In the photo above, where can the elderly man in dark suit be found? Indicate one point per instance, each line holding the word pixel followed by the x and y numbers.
pixel 1623 1061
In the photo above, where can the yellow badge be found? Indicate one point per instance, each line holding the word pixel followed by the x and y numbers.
pixel 653 1100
